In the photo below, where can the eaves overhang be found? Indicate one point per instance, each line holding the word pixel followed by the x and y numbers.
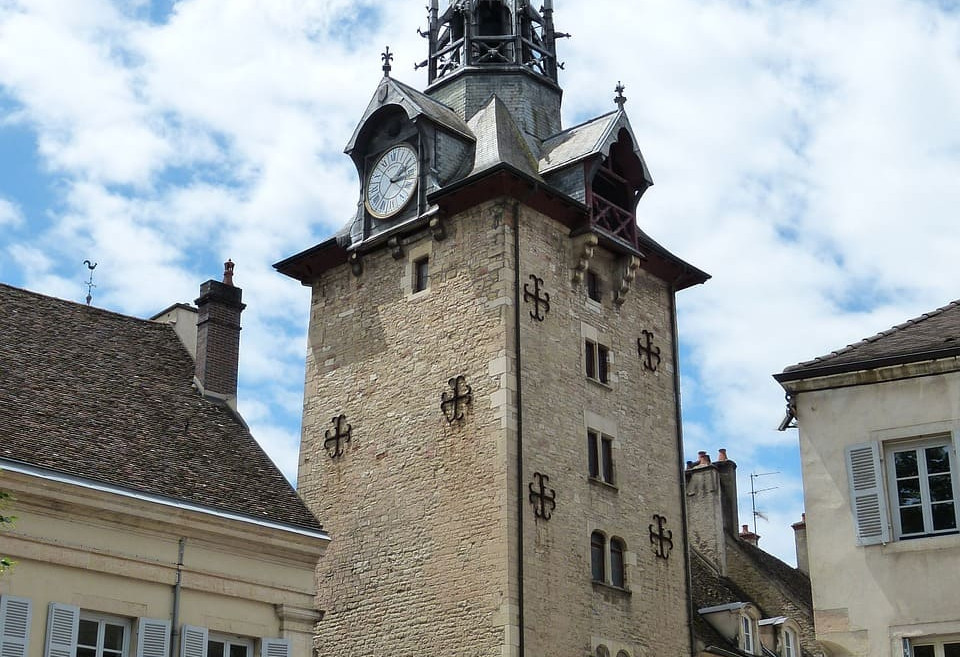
pixel 307 266
pixel 89 484
pixel 827 370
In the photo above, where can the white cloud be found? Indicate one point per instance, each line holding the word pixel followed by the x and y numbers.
pixel 805 154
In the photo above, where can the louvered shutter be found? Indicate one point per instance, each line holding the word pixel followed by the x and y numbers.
pixel 14 626
pixel 193 641
pixel 153 638
pixel 63 621
pixel 274 648
pixel 866 494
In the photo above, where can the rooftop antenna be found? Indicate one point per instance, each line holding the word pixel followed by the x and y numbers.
pixel 754 492
pixel 90 285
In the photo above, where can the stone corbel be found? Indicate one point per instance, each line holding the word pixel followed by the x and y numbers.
pixel 583 249
pixel 297 619
pixel 396 248
pixel 629 272
pixel 356 264
pixel 438 229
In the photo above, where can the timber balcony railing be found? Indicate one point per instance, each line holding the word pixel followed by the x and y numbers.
pixel 613 219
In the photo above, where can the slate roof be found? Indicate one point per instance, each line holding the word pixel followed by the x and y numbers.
pixel 577 142
pixel 109 398
pixel 499 140
pixel 932 335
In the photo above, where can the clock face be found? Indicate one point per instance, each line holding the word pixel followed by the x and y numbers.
pixel 392 181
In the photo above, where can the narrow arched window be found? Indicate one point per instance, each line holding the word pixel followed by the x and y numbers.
pixel 617 549
pixel 597 545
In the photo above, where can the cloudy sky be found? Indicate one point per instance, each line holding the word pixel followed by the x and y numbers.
pixel 806 153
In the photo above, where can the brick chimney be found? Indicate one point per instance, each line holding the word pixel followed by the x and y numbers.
pixel 711 493
pixel 218 337
pixel 800 536
pixel 749 536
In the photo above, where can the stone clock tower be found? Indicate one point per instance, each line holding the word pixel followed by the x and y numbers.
pixel 490 428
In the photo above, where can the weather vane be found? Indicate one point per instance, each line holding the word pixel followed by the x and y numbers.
pixel 387 57
pixel 620 100
pixel 90 285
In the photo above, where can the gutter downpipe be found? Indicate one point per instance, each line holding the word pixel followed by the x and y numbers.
pixel 683 481
pixel 174 638
pixel 516 339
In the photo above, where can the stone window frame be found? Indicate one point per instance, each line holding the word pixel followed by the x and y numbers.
pixel 607 433
pixel 748 634
pixel 601 360
pixel 417 254
pixel 790 643
pixel 612 575
pixel 593 283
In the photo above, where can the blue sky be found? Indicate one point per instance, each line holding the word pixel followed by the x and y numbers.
pixel 807 154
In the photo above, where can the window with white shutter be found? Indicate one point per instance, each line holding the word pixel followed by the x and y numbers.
pixel 63 621
pixel 274 648
pixel 866 494
pixel 153 638
pixel 193 641
pixel 15 617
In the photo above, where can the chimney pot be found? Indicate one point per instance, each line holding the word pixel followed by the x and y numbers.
pixel 704 458
pixel 748 536
pixel 723 455
pixel 228 272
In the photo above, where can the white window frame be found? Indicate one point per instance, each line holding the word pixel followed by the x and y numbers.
pixel 791 643
pixel 919 445
pixel 937 644
pixel 102 620
pixel 229 640
pixel 748 633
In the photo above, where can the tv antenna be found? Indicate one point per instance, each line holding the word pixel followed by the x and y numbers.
pixel 91 266
pixel 754 492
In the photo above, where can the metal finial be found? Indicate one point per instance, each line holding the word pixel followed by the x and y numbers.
pixel 387 57
pixel 91 266
pixel 620 100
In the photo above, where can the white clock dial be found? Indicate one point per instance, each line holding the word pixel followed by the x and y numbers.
pixel 392 181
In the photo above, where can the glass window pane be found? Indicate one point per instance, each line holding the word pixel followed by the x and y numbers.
pixel 941 488
pixel 906 464
pixel 923 651
pixel 238 650
pixel 113 637
pixel 86 652
pixel 87 634
pixel 908 492
pixel 591 358
pixel 602 354
pixel 214 649
pixel 944 517
pixel 616 563
pixel 596 557
pixel 607 460
pixel 938 459
pixel 592 454
pixel 951 650
pixel 911 520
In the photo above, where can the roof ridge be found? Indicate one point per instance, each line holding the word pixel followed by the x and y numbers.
pixel 877 336
pixel 580 125
pixel 69 302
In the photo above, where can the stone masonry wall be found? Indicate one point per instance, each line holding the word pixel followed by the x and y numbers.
pixel 415 505
pixel 566 613
pixel 423 513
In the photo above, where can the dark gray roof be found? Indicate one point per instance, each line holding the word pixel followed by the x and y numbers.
pixel 109 398
pixel 499 140
pixel 932 335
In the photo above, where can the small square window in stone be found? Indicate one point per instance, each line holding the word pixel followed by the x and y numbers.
pixel 600 456
pixel 421 274
pixel 594 288
pixel 597 361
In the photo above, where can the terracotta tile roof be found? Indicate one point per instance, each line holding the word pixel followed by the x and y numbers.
pixel 106 397
pixel 932 335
